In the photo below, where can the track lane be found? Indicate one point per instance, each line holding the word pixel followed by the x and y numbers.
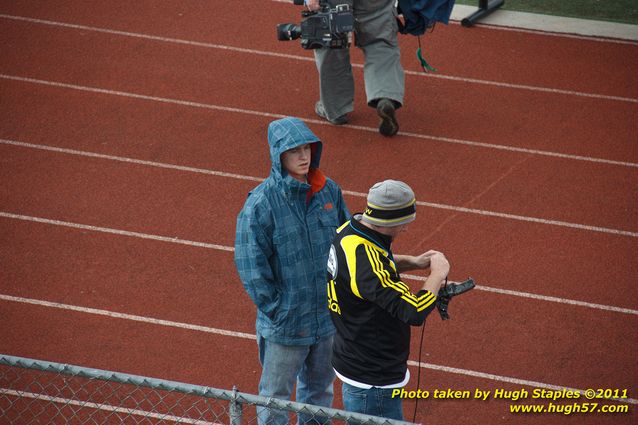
pixel 133 198
pixel 506 290
pixel 186 356
pixel 479 52
pixel 514 183
pixel 619 260
pixel 202 208
pixel 129 347
pixel 123 274
pixel 494 368
pixel 165 68
pixel 173 282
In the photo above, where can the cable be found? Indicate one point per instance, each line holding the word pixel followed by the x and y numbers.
pixel 418 372
pixel 424 64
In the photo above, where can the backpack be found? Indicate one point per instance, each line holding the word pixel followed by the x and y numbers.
pixel 419 15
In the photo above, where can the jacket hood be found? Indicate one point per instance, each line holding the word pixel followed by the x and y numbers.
pixel 288 133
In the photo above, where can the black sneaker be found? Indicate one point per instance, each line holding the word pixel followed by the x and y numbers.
pixel 319 110
pixel 386 111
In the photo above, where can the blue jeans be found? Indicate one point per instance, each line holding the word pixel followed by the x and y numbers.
pixel 309 366
pixel 374 401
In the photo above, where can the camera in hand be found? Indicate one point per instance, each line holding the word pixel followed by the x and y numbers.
pixel 326 27
pixel 447 292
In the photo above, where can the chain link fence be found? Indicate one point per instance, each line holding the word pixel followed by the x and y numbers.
pixel 40 392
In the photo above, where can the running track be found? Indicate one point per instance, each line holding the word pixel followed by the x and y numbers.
pixel 130 135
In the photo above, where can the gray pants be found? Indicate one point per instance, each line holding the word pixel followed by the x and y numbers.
pixel 376 35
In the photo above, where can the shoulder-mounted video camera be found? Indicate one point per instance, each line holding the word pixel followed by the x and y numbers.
pixel 326 27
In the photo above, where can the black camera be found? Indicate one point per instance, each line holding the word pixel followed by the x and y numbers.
pixel 326 27
pixel 447 292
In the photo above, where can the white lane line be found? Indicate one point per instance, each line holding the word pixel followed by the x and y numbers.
pixel 517 217
pixel 314 121
pixel 141 96
pixel 528 87
pixel 124 316
pixel 311 59
pixel 115 231
pixel 243 335
pixel 231 249
pixel 543 221
pixel 130 160
pixel 103 406
pixel 541 297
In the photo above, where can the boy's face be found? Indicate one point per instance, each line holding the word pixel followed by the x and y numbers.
pixel 297 161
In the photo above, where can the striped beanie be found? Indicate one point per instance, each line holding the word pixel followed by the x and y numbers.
pixel 390 203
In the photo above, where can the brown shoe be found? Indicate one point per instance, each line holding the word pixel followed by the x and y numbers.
pixel 386 111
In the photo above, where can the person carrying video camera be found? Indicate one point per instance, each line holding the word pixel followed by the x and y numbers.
pixel 376 34
pixel 371 307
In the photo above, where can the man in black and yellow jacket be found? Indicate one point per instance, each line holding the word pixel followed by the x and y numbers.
pixel 371 307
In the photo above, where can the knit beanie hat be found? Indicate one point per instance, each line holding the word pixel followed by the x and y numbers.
pixel 390 203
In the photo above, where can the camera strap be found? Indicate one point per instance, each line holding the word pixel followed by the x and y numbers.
pixel 424 64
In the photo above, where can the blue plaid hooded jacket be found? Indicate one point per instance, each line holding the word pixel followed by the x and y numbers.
pixel 282 242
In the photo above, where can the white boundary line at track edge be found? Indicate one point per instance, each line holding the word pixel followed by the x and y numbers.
pixel 312 120
pixel 597 229
pixel 243 335
pixel 231 249
pixel 310 59
pixel 106 407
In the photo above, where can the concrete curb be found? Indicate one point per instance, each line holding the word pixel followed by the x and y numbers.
pixel 550 23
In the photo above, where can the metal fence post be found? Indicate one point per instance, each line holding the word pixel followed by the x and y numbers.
pixel 235 410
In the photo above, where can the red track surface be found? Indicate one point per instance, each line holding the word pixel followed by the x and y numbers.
pixel 571 233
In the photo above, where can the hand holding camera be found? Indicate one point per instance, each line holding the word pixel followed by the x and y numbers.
pixel 311 4
pixel 447 292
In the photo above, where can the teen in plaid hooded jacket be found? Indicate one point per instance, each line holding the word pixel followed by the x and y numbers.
pixel 283 236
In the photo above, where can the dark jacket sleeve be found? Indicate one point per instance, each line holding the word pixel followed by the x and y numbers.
pixel 378 282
